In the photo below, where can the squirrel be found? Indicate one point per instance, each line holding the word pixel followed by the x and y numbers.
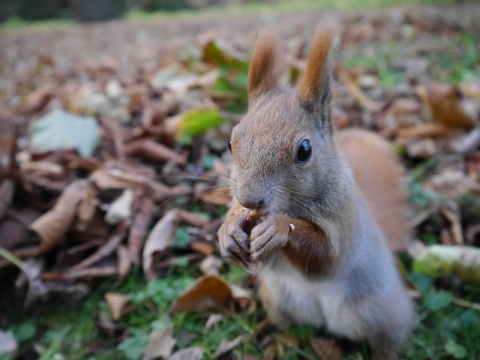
pixel 332 207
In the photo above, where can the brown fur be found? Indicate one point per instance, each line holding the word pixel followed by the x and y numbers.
pixel 318 251
pixel 266 65
pixel 310 84
pixel 381 178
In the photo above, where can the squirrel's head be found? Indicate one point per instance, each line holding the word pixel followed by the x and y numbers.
pixel 283 152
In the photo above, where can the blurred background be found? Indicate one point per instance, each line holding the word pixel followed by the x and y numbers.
pixel 115 118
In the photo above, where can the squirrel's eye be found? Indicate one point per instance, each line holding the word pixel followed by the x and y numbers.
pixel 304 151
pixel 230 145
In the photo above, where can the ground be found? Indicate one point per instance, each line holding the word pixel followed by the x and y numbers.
pixel 162 93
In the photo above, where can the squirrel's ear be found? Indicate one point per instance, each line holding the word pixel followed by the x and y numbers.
pixel 314 86
pixel 266 65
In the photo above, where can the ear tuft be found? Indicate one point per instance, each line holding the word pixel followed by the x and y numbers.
pixel 314 84
pixel 266 65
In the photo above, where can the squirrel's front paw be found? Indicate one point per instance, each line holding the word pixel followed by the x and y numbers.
pixel 268 236
pixel 233 241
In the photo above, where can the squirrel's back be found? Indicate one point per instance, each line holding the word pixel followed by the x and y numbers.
pixel 380 176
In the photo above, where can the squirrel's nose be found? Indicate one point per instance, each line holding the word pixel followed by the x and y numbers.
pixel 252 203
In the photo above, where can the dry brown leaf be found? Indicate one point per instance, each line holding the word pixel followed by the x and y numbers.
pixel 212 320
pixel 471 90
pixel 203 247
pixel 243 298
pixel 124 264
pixel 114 178
pixel 192 353
pixel 208 293
pixel 46 168
pixel 211 265
pixel 456 227
pixel 194 219
pixel 425 130
pixel 228 345
pixel 160 344
pixel 116 303
pixel 143 211
pixel 105 250
pixel 326 349
pixel 160 238
pixel 87 208
pixel 447 107
pixel 152 150
pixel 54 224
pixel 7 189
pixel 357 93
pixel 93 272
pixel 37 100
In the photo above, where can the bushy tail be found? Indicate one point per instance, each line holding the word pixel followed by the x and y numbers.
pixel 380 176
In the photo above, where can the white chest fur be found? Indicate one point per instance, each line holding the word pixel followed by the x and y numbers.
pixel 300 300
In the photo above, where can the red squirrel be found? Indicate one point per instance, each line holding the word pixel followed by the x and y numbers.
pixel 321 246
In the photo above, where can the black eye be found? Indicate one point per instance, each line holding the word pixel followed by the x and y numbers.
pixel 230 145
pixel 304 151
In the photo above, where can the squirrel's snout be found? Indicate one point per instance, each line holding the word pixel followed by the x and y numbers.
pixel 252 203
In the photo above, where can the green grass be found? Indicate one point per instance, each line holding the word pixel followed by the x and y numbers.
pixel 280 6
pixel 454 64
pixel 442 331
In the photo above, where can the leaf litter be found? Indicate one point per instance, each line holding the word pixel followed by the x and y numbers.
pixel 119 160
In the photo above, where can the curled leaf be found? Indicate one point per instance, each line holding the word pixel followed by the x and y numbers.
pixel 161 237
pixel 208 293
pixel 54 224
pixel 160 344
pixel 447 107
pixel 116 303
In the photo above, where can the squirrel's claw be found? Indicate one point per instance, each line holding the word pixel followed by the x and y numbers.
pixel 267 238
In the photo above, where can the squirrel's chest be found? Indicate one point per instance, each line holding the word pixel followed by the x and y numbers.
pixel 319 303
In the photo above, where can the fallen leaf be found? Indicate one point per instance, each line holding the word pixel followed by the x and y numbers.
pixel 143 211
pixel 447 107
pixel 243 298
pixel 124 264
pixel 159 239
pixel 211 265
pixel 208 293
pixel 8 344
pixel 326 349
pixel 153 150
pixel 116 303
pixel 212 320
pixel 54 224
pixel 425 130
pixel 456 226
pixel 357 93
pixel 59 130
pixel 105 250
pixel 194 219
pixel 160 344
pixel 120 209
pixel 87 208
pixel 193 353
pixel 228 345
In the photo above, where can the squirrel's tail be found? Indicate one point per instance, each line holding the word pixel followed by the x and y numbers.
pixel 380 176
